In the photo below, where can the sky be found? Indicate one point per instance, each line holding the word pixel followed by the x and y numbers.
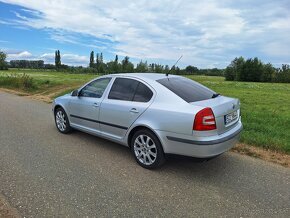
pixel 207 33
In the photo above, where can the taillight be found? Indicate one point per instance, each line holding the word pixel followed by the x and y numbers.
pixel 204 120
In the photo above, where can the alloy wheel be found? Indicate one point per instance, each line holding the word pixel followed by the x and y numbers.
pixel 60 120
pixel 145 149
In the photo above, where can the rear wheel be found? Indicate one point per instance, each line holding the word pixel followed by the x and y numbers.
pixel 61 121
pixel 147 149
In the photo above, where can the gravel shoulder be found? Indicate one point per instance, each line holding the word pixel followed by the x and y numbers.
pixel 6 211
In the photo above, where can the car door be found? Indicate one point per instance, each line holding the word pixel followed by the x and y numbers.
pixel 127 100
pixel 84 109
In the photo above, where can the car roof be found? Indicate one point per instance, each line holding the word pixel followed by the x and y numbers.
pixel 146 76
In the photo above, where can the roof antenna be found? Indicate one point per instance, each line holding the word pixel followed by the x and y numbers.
pixel 174 65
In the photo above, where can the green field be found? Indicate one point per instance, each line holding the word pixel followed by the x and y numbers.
pixel 46 79
pixel 265 106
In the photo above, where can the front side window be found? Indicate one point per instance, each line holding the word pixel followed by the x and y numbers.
pixel 130 90
pixel 96 88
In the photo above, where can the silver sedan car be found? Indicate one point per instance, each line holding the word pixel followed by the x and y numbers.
pixel 152 114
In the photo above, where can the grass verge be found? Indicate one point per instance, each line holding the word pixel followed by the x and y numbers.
pixel 261 153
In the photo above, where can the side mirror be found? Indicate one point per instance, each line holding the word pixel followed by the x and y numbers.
pixel 75 93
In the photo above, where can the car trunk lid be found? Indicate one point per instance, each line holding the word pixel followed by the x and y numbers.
pixel 226 111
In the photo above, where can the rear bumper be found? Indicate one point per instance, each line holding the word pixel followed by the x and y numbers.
pixel 208 147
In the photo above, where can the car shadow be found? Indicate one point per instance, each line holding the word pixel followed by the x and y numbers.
pixel 225 172
pixel 226 180
pixel 174 163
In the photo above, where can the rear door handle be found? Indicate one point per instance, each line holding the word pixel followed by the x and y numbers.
pixel 134 110
pixel 95 104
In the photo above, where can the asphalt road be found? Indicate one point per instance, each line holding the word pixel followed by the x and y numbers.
pixel 44 173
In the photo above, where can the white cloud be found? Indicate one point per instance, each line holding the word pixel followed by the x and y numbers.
pixel 19 55
pixel 48 58
pixel 69 59
pixel 205 32
pixel 276 49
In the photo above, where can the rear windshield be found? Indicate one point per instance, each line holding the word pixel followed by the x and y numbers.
pixel 187 89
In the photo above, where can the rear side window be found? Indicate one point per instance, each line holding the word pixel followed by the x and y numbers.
pixel 123 89
pixel 187 89
pixel 130 90
pixel 143 93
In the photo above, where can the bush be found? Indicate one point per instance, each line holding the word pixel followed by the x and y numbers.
pixel 19 81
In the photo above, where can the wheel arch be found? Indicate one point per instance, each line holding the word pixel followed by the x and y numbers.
pixel 137 128
pixel 56 106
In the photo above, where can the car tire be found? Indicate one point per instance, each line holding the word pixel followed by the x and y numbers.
pixel 61 121
pixel 147 149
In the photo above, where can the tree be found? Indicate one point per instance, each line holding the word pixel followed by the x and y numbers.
pixel 116 65
pixel 234 70
pixel 142 67
pixel 191 70
pixel 102 66
pixel 177 71
pixel 127 66
pixel 101 58
pixel 92 59
pixel 57 59
pixel 172 70
pixel 151 67
pixel 166 69
pixel 3 65
pixel 158 68
pixel 268 73
pixel 252 70
pixel 283 74
pixel 97 61
pixel 112 66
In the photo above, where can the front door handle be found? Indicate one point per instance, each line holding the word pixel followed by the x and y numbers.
pixel 134 110
pixel 95 104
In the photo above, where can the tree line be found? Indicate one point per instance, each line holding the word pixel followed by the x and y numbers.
pixel 38 64
pixel 31 64
pixel 240 69
pixel 254 70
pixel 98 65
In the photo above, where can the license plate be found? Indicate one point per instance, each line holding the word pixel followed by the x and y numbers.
pixel 231 117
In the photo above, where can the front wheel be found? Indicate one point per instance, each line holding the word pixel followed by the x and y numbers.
pixel 61 121
pixel 147 149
